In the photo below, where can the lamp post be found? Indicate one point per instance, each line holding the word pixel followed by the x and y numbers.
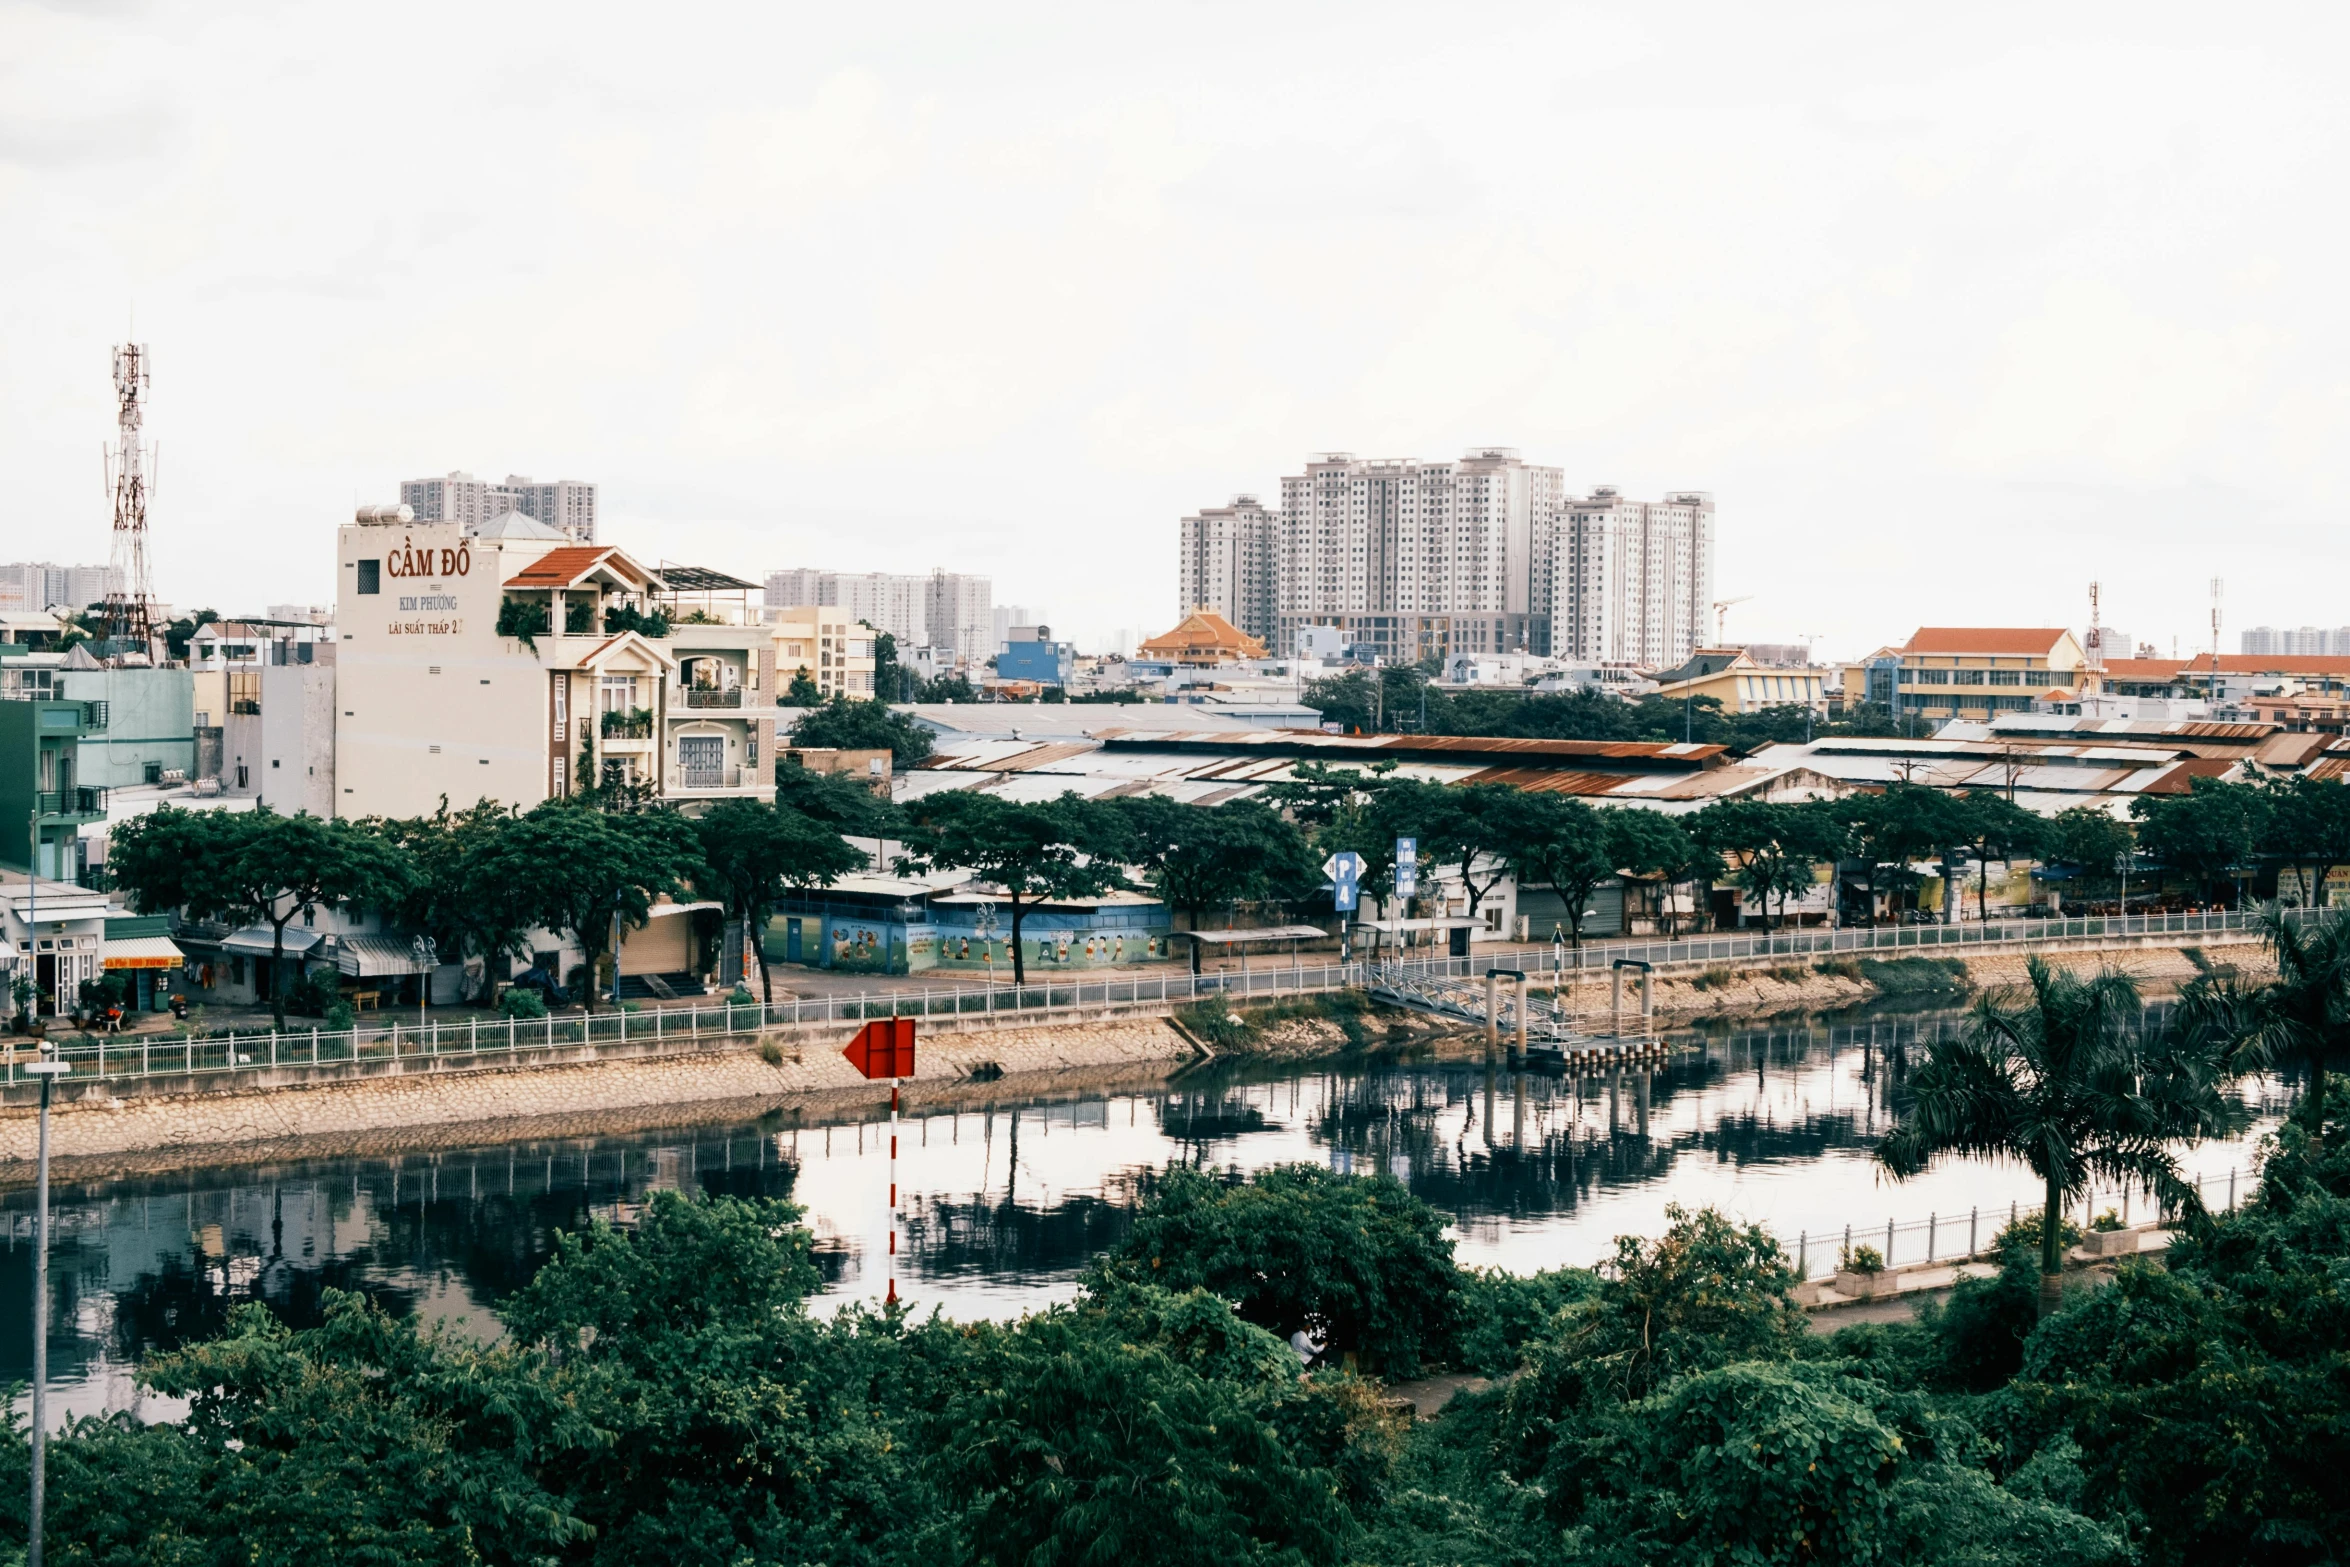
pixel 48 1069
pixel 428 957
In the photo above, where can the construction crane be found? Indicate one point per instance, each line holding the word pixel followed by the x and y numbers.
pixel 1722 614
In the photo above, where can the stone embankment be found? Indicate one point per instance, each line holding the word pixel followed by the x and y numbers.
pixel 97 1138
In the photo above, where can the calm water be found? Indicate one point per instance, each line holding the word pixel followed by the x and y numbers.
pixel 1006 1206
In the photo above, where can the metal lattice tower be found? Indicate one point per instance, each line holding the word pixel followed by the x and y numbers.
pixel 129 602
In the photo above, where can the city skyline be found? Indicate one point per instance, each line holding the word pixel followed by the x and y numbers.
pixel 1879 290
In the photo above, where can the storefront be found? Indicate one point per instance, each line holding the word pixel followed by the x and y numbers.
pixel 140 949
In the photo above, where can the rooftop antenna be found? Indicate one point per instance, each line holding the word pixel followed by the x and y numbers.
pixel 2217 588
pixel 130 596
pixel 2096 648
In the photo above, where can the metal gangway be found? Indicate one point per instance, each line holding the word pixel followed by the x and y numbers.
pixel 1537 1025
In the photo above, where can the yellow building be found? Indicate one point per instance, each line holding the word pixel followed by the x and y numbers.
pixel 1978 671
pixel 1730 676
pixel 835 650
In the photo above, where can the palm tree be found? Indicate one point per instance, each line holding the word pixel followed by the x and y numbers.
pixel 2067 1080
pixel 2302 1013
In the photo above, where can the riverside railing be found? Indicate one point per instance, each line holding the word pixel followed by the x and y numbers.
pixel 1973 1232
pixel 90 1057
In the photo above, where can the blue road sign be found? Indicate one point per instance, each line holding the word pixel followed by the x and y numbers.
pixel 1345 870
pixel 1407 867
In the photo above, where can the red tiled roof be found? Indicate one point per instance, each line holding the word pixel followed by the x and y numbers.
pixel 561 568
pixel 2003 641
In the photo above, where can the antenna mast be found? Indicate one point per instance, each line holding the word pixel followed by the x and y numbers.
pixel 130 598
pixel 2096 648
pixel 2217 588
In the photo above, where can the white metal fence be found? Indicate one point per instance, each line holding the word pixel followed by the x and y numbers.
pixel 1973 1233
pixel 127 1057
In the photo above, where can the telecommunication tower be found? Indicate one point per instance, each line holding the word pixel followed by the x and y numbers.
pixel 130 600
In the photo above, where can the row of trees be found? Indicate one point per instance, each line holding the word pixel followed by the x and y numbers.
pixel 479 881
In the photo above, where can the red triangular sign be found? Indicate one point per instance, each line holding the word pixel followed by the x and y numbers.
pixel 883 1048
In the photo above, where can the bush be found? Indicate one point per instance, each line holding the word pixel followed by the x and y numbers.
pixel 341 1017
pixel 1928 977
pixel 312 992
pixel 1353 1261
pixel 1860 1259
pixel 2106 1223
pixel 520 1003
pixel 1502 1312
pixel 1840 968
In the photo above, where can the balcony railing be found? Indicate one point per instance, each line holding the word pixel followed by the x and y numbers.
pixel 84 800
pixel 697 780
pixel 634 725
pixel 699 696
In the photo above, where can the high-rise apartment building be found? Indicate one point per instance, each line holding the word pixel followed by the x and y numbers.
pixel 944 609
pixel 2275 641
pixel 1627 582
pixel 1227 564
pixel 40 584
pixel 565 504
pixel 1489 551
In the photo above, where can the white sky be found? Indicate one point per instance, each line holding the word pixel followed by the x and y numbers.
pixel 1952 314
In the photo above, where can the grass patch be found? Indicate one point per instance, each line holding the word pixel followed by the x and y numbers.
pixel 1225 1027
pixel 1791 974
pixel 1917 976
pixel 1838 968
pixel 1715 978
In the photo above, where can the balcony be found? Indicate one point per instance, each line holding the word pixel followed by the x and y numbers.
pixel 710 780
pixel 727 698
pixel 636 724
pixel 84 803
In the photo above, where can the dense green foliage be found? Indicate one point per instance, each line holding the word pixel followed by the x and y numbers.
pixel 848 724
pixel 663 1396
pixel 1067 847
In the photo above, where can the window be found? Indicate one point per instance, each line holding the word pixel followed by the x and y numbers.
pixel 1967 677
pixel 371 576
pixel 2007 677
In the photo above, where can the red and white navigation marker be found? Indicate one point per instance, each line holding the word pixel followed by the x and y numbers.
pixel 885 1048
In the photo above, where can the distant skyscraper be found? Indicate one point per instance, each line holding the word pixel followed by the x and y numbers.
pixel 2295 641
pixel 40 584
pixel 568 504
pixel 944 609
pixel 1227 564
pixel 1488 552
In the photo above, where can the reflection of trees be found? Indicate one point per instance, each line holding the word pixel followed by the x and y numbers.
pixel 1208 1117
pixel 983 1236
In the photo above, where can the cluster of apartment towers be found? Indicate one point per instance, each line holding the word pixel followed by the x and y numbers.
pixel 1488 554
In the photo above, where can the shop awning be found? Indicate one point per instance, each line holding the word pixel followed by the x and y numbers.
pixel 366 957
pixel 659 909
pixel 1240 938
pixel 256 940
pixel 144 952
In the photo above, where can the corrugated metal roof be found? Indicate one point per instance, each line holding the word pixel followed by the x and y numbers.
pixel 1549 780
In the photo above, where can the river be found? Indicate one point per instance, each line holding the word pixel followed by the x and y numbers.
pixel 1005 1206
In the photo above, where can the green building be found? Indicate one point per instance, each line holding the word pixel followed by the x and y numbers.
pixel 150 727
pixel 44 804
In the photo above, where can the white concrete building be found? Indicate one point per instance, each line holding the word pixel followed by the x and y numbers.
pixel 1411 537
pixel 960 615
pixel 943 609
pixel 31 585
pixel 567 505
pixel 1226 563
pixel 472 668
pixel 1627 581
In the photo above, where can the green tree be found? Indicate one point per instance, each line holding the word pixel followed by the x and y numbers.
pixel 2205 835
pixel 1350 700
pixel 2305 830
pixel 846 724
pixel 2068 1081
pixel 2302 1014
pixel 1562 841
pixel 753 851
pixel 889 676
pixel 1649 844
pixel 803 691
pixel 2089 839
pixel 1062 848
pixel 1355 1262
pixel 255 865
pixel 1996 829
pixel 955 686
pixel 446 898
pixel 571 868
pixel 1082 1440
pixel 1198 858
pixel 1771 848
pixel 1486 832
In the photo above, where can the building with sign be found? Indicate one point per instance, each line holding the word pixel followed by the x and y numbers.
pixel 519 669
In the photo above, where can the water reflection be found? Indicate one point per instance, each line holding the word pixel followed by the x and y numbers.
pixel 1006 1205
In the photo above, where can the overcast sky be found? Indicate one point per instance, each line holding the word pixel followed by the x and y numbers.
pixel 1952 315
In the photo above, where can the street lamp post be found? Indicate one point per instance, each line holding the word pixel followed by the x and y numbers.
pixel 48 1069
